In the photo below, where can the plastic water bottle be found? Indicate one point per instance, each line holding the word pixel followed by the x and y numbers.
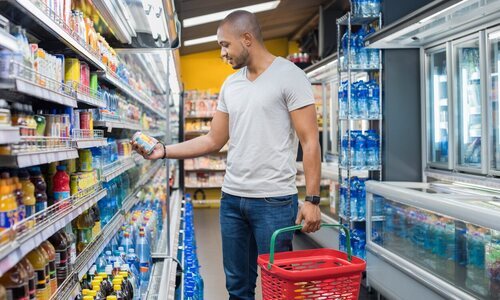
pixel 359 152
pixel 362 93
pixel 373 100
pixel 345 42
pixel 360 47
pixel 373 54
pixel 374 7
pixel 144 256
pixel 343 199
pixel 361 200
pixel 354 58
pixel 342 100
pixel 127 243
pixel 372 149
pixel 354 197
pixel 354 109
pixel 344 154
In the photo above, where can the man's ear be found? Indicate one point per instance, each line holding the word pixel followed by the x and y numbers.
pixel 247 39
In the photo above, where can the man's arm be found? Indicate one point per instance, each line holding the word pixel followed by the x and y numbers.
pixel 216 138
pixel 306 126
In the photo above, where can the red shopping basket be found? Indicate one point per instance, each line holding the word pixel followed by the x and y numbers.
pixel 317 274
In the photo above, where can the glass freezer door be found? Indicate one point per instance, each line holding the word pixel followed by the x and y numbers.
pixel 469 103
pixel 438 106
pixel 494 64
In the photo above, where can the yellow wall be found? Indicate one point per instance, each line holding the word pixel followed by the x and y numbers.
pixel 206 71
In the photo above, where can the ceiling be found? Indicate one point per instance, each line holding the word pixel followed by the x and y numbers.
pixel 284 21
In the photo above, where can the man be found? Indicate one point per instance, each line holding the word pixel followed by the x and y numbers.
pixel 261 110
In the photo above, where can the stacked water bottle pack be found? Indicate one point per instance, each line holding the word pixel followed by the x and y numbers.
pixel 358 242
pixel 360 57
pixel 364 150
pixel 366 8
pixel 193 282
pixel 357 204
pixel 365 100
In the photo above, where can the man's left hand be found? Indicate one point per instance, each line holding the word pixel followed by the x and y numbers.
pixel 311 215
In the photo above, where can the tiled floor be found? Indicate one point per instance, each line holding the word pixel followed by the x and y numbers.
pixel 208 240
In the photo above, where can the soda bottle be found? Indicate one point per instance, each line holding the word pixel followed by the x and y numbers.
pixel 14 282
pixel 127 242
pixel 61 190
pixel 40 189
pixel 29 200
pixel 30 272
pixel 60 243
pixel 106 286
pixel 51 251
pixel 128 284
pixel 40 265
pixel 49 180
pixel 118 290
pixel 8 206
pixel 99 294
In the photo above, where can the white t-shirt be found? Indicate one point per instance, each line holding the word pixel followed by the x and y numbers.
pixel 262 141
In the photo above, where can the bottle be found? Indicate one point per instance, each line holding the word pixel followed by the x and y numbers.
pixel 361 200
pixel 30 272
pixel 96 213
pixel 71 238
pixel 359 152
pixel 5 117
pixel 362 100
pixel 373 100
pixel 373 54
pixel 342 100
pixel 40 189
pixel 117 290
pixel 60 243
pixel 99 293
pixel 129 286
pixel 144 256
pixel 8 206
pixel 372 149
pixel 61 188
pixel 354 197
pixel 106 286
pixel 51 251
pixel 361 50
pixel 84 225
pixel 28 190
pixel 353 51
pixel 18 193
pixel 14 281
pixel 40 265
pixel 354 108
pixel 101 263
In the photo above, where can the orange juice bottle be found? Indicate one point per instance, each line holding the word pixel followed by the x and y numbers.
pixel 8 206
pixel 51 251
pixel 31 277
pixel 47 270
pixel 37 259
pixel 29 200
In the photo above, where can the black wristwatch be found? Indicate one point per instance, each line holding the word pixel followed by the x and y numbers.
pixel 313 199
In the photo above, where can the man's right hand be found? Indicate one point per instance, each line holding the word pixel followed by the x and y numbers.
pixel 157 153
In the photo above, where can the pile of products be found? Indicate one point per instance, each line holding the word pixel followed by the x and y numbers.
pixel 365 150
pixel 357 204
pixel 353 45
pixel 365 100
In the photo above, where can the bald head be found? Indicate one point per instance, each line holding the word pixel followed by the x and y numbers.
pixel 241 22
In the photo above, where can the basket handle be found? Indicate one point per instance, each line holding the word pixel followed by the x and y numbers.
pixel 299 227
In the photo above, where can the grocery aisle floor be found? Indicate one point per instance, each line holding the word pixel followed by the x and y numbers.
pixel 208 240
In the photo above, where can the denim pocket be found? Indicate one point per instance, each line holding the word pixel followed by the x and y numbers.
pixel 279 201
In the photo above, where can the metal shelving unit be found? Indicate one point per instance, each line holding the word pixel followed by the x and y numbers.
pixel 347 70
pixel 117 168
pixel 28 159
pixel 110 125
pixel 29 234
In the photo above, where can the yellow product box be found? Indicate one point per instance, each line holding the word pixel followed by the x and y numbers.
pixel 82 181
pixel 72 72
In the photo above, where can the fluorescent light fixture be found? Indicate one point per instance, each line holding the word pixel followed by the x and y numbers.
pixel 189 22
pixel 426 19
pixel 202 40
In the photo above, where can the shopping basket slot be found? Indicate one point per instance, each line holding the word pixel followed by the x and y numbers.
pixel 310 274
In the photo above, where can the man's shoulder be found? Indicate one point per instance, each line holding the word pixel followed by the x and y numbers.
pixel 288 66
pixel 234 77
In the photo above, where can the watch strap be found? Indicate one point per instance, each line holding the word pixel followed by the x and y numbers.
pixel 313 199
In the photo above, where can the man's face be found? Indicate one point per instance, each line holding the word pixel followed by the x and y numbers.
pixel 232 47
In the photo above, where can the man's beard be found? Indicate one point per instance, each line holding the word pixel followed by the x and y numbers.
pixel 241 61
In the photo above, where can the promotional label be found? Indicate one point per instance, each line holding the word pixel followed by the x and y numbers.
pixel 59 196
pixel 7 218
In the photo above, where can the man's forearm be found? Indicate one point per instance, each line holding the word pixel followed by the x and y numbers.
pixel 312 167
pixel 193 148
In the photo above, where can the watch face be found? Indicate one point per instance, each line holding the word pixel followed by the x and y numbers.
pixel 313 199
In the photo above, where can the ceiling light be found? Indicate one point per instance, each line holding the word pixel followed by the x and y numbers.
pixel 189 22
pixel 202 40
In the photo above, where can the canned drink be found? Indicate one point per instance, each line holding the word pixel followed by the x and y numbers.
pixel 85 123
pixel 146 142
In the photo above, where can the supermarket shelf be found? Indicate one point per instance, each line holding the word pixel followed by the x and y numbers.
pixel 89 100
pixel 33 9
pixel 9 135
pixel 205 170
pixel 162 282
pixel 23 160
pixel 110 125
pixel 23 86
pixel 15 250
pixel 198 117
pixel 356 20
pixel 7 41
pixel 203 187
pixel 352 221
pixel 90 143
pixel 131 200
pixel 117 168
pixel 360 70
pixel 141 98
pixel 87 258
pixel 345 168
pixel 379 118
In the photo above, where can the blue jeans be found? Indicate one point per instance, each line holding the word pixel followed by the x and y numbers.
pixel 247 225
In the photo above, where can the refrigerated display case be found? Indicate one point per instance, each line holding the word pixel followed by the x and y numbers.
pixel 493 65
pixel 444 237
